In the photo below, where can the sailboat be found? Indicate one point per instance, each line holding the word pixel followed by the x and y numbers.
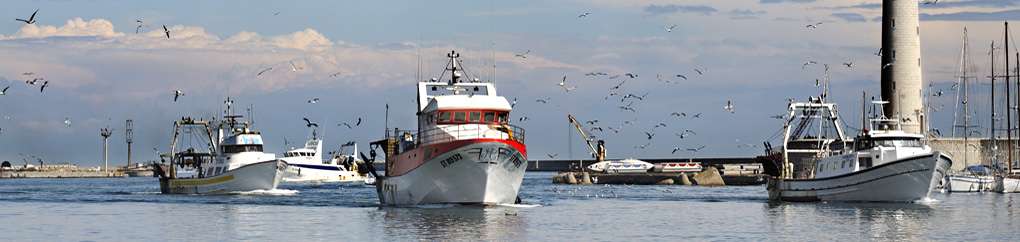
pixel 1006 181
pixel 974 178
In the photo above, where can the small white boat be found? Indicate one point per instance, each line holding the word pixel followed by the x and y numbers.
pixel 976 178
pixel 229 161
pixel 621 166
pixel 1006 184
pixel 675 167
pixel 883 164
pixel 305 164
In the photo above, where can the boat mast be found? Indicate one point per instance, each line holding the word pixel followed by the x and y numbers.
pixel 1009 106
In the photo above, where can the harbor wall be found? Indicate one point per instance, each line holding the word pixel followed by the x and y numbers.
pixel 973 151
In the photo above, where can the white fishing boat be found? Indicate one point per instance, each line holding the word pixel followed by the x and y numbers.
pixel 883 164
pixel 621 166
pixel 465 150
pixel 228 161
pixel 305 164
pixel 977 178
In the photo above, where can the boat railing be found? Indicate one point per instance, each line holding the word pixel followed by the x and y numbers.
pixel 471 131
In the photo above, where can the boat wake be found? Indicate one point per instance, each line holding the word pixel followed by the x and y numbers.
pixel 927 201
pixel 274 192
pixel 511 205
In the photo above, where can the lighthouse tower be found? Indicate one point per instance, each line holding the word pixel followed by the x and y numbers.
pixel 901 63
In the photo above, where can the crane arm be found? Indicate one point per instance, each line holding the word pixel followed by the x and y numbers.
pixel 580 129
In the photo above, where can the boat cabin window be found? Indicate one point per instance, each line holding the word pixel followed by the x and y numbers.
pixel 241 148
pixel 475 117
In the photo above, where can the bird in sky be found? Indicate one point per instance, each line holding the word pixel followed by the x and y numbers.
pixel 263 71
pixel 335 74
pixel 675 149
pixel 345 124
pixel 294 67
pixel 31 20
pixel 849 64
pixel 931 2
pixel 681 76
pixel 177 94
pixel 699 71
pixel 522 119
pixel 67 122
pixel 669 28
pixel 643 146
pixel 813 26
pixel 618 85
pixel 4 91
pixel 585 14
pixel 309 123
pixel 138 29
pixel 44 85
pixel 33 81
pixel 358 123
pixel 697 115
pixel 729 106
pixel 513 103
pixel 631 75
pixel 28 73
pixel 628 108
pixel 314 100
pixel 695 149
pixel 649 135
pixel 659 125
pixel 552 156
pixel 678 115
pixel 523 55
pixel 542 100
pixel 592 122
pixel 808 63
pixel 778 116
pixel 167 31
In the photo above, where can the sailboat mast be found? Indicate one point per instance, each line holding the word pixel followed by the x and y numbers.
pixel 1009 106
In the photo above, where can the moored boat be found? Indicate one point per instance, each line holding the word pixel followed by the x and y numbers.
pixel 621 166
pixel 465 150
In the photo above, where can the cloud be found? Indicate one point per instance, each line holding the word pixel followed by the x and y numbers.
pixel 850 17
pixel 76 27
pixel 746 14
pixel 674 8
pixel 973 3
pixel 786 1
pixel 973 16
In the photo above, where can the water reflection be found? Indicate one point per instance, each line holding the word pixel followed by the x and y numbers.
pixel 895 221
pixel 451 223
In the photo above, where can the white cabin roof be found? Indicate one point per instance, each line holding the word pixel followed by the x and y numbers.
pixel 455 102
pixel 893 134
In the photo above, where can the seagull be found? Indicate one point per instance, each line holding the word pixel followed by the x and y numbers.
pixel 650 135
pixel 178 93
pixel 643 146
pixel 808 63
pixel 813 26
pixel 43 87
pixel 33 81
pixel 879 52
pixel 669 28
pixel 695 149
pixel 660 125
pixel 937 94
pixel 513 103
pixel 4 91
pixel 263 71
pixel 617 85
pixel 139 28
pixel 277 13
pixel 697 115
pixel 593 129
pixel 309 123
pixel 681 76
pixel 678 114
pixel 628 108
pixel 31 20
pixel 682 135
pixel 522 119
pixel 314 100
pixel 779 116
pixel 849 65
pixel 631 75
pixel 67 122
pixel 552 156
pixel 523 55
pixel 585 14
pixel 336 74
pixel 345 124
pixel 358 123
pixel 167 31
pixel 615 130
pixel 563 84
pixel 729 106
pixel 699 71
pixel 675 148
pixel 294 67
pixel 28 73
pixel 542 100
pixel 931 2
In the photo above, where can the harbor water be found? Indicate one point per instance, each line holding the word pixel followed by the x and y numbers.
pixel 131 209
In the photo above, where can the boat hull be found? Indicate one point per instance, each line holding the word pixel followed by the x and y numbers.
pixel 319 173
pixel 968 183
pixel 264 175
pixel 904 180
pixel 487 172
pixel 1006 184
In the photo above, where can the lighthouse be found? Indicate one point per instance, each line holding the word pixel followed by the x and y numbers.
pixel 901 63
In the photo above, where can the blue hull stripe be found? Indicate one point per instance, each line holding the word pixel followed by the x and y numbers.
pixel 317 167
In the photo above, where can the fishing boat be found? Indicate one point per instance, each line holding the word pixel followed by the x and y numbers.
pixel 621 166
pixel 305 164
pixel 882 164
pixel 465 150
pixel 230 160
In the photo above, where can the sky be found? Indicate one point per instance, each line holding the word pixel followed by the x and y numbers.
pixel 358 56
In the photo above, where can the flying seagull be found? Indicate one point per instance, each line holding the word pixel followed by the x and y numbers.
pixel 813 26
pixel 177 94
pixel 681 76
pixel 552 156
pixel 263 71
pixel 670 28
pixel 167 31
pixel 309 123
pixel 31 20
pixel 314 100
pixel 139 28
pixel 44 85
pixel 699 71
pixel 523 55
pixel 67 122
pixel 729 106
pixel 585 14
pixel 4 91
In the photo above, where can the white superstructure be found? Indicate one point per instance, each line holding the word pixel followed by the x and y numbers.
pixel 306 164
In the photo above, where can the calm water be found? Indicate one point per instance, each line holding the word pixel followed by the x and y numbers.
pixel 132 210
